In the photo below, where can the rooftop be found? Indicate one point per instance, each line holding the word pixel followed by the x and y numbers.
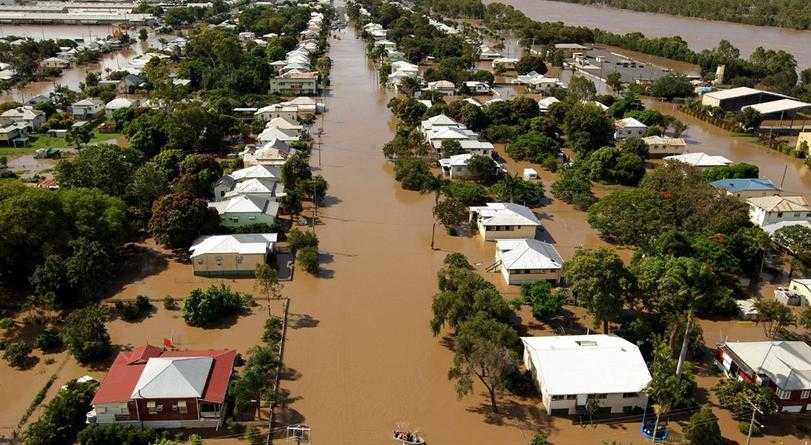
pixel 700 159
pixel 588 364
pixel 780 203
pixel 778 106
pixel 506 214
pixel 786 363
pixel 246 204
pixel 240 244
pixel 733 93
pixel 528 254
pixel 745 185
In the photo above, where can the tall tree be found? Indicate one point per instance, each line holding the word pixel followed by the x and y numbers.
pixel 599 281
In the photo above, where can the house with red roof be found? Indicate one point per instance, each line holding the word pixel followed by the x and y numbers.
pixel 153 387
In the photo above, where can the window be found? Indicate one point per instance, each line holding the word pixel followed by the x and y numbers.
pixel 783 394
pixel 239 259
pixel 630 395
pixel 181 407
pixel 571 397
pixel 235 220
pixel 601 396
pixel 557 397
pixel 101 410
pixel 151 408
pixel 805 394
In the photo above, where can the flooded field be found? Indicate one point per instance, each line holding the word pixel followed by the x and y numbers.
pixel 699 34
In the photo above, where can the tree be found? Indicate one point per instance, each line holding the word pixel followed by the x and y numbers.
pixel 614 80
pixel 88 269
pixel 412 173
pixel 796 240
pixel 267 281
pixel 804 319
pixel 703 429
pixel 635 145
pixel 738 397
pixel 629 216
pixel 63 417
pixel 142 34
pixel 581 88
pixel 483 168
pixel 671 86
pixel 483 350
pixel 315 189
pixel 544 303
pixel 149 182
pixel 112 433
pixel 463 294
pixel 512 188
pixel 178 218
pixel 774 315
pixel 533 146
pixel 741 170
pixel 749 119
pixel 573 186
pixel 450 213
pixel 308 258
pixel 300 239
pixel 206 307
pixel 451 147
pixel 17 353
pixel 600 282
pixel 611 165
pixel 530 62
pixel 667 389
pixel 587 128
pixel 105 167
pixel 85 334
pixel 79 135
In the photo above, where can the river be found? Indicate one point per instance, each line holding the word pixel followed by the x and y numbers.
pixel 698 33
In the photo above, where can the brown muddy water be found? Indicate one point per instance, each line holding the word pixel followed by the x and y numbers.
pixel 699 34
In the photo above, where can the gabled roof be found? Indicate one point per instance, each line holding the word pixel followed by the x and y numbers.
pixel 547 102
pixel 786 363
pixel 700 159
pixel 440 120
pixel 129 366
pixel 173 377
pixel 506 214
pixel 89 102
pixel 780 203
pixel 456 160
pixel 271 133
pixel 246 204
pixel 733 93
pixel 283 124
pixel 745 185
pixel 627 122
pixel 268 187
pixel 664 140
pixel 119 102
pixel 528 254
pixel 778 106
pixel 588 364
pixel 249 243
pixel 451 133
pixel 257 171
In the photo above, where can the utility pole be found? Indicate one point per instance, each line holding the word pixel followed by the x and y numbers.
pixel 752 422
pixel 685 341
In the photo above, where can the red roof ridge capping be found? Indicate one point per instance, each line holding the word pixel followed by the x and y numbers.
pixel 125 371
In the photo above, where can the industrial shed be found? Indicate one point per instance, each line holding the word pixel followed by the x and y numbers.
pixel 734 99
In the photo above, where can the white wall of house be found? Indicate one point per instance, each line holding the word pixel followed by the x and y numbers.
pixel 294 86
pixel 627 132
pixel 227 263
pixel 529 276
pixel 761 217
pixel 106 412
pixel 245 219
pixel 492 233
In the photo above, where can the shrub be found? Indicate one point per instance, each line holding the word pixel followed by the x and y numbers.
pixel 133 310
pixel 273 330
pixel 17 354
pixel 308 259
pixel 169 303
pixel 112 433
pixel 300 239
pixel 703 428
pixel 539 439
pixel 85 334
pixel 6 323
pixel 757 429
pixel 63 417
pixel 205 307
pixel 49 340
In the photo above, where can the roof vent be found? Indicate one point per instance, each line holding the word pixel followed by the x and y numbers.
pixel 589 343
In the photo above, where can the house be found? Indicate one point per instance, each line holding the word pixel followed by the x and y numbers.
pixel 439 121
pixel 269 112
pixel 404 67
pixel 575 373
pixel 444 87
pixel 527 261
pixel 455 167
pixel 272 153
pixel 483 148
pixel 267 188
pixel 545 103
pixel 295 83
pixel 397 77
pixel 241 211
pixel 304 105
pixel 664 145
pixel 802 286
pixel 789 297
pixel 290 128
pixel 89 108
pixel 628 127
pixel 129 83
pixel 783 366
pixel 435 137
pixel 476 87
pixel 386 44
pixel 485 53
pixel 229 255
pixel 503 220
pixel 747 188
pixel 54 62
pixel 229 182
pixel 505 63
pixel 272 133
pixel 119 103
pixel 159 388
pixel 14 134
pixel 543 84
pixel 26 115
pixel 774 212
pixel 700 160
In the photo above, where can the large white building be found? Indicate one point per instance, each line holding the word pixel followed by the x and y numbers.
pixel 700 160
pixel 527 261
pixel 577 372
pixel 226 255
pixel 504 220
pixel 774 212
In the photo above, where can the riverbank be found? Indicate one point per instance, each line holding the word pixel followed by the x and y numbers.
pixel 699 34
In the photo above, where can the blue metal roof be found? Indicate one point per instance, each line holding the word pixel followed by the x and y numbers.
pixel 744 185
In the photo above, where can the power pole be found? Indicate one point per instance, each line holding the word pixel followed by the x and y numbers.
pixel 684 343
pixel 752 421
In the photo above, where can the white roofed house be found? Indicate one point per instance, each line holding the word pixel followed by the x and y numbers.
pixel 503 220
pixel 476 87
pixel 295 82
pixel 783 366
pixel 246 210
pixel 700 160
pixel 269 112
pixel 628 127
pixel 228 255
pixel 23 115
pixel 483 148
pixel 54 62
pixel 527 261
pixel 455 167
pixel 439 121
pixel 271 133
pixel 229 182
pixel 272 153
pixel 292 129
pixel 435 137
pixel 505 63
pixel 545 103
pixel 664 145
pixel 119 103
pixel 444 87
pixel 772 213
pixel 88 108
pixel 573 372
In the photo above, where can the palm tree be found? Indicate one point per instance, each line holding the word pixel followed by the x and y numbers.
pixel 410 85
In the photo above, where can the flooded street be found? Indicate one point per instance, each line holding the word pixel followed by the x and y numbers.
pixel 700 34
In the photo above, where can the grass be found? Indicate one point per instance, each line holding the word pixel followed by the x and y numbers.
pixel 44 141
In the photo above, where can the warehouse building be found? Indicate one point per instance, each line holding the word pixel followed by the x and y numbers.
pixel 734 99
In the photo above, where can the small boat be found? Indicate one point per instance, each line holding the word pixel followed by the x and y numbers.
pixel 407 437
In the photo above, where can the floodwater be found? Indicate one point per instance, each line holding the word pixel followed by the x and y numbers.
pixel 699 34
pixel 791 172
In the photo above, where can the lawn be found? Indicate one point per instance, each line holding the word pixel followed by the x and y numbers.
pixel 38 141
